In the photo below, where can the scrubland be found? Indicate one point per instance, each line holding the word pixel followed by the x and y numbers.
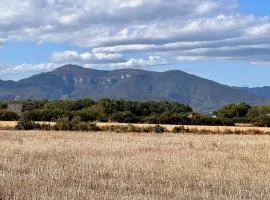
pixel 238 129
pixel 105 165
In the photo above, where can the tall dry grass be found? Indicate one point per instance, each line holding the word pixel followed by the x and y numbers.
pixel 69 165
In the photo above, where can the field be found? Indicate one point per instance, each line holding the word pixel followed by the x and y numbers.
pixel 76 165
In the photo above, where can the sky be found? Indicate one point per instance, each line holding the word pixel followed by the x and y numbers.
pixel 227 41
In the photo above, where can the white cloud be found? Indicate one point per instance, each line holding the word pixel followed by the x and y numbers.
pixel 51 20
pixel 74 56
pixel 132 63
pixel 106 60
pixel 65 55
pixel 28 68
pixel 259 30
pixel 267 64
pixel 180 29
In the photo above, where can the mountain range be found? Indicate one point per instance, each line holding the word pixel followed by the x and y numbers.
pixel 258 91
pixel 71 81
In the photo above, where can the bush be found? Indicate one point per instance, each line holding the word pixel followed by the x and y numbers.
pixel 262 120
pixel 158 129
pixel 85 126
pixel 3 106
pixel 45 126
pixel 121 129
pixel 8 116
pixel 180 129
pixel 63 124
pixel 27 125
pixel 86 115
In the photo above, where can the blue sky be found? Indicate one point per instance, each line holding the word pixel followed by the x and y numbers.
pixel 227 41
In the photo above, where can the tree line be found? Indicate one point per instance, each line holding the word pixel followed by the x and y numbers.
pixel 245 113
pixel 163 112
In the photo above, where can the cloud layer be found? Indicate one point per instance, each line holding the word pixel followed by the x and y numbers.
pixel 160 30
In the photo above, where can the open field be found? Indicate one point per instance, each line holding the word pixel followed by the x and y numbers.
pixel 7 124
pixel 76 165
pixel 241 127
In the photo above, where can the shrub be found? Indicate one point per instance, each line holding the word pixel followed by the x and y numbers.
pixel 103 119
pixel 262 120
pixel 123 129
pixel 45 126
pixel 158 129
pixel 180 129
pixel 111 128
pixel 86 115
pixel 85 126
pixel 147 129
pixel 3 106
pixel 93 127
pixel 8 116
pixel 63 124
pixel 134 129
pixel 27 125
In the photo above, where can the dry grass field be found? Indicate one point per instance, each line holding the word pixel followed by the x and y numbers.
pixel 7 124
pixel 76 165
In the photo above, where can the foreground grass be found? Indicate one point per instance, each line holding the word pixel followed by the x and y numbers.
pixel 69 165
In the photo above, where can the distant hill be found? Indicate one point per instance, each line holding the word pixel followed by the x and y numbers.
pixel 258 91
pixel 72 81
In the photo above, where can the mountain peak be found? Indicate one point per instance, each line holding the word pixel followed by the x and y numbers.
pixel 69 68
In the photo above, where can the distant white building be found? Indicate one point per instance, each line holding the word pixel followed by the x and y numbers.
pixel 15 106
pixel 212 115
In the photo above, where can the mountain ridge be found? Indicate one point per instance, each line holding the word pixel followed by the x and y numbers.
pixel 258 91
pixel 72 81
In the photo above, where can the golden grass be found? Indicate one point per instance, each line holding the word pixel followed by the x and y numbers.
pixel 7 125
pixel 75 165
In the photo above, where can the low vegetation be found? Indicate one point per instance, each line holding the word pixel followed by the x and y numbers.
pixel 8 116
pixel 65 124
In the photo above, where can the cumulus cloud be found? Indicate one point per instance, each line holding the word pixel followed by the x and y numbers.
pixel 105 60
pixel 27 68
pixel 132 63
pixel 51 20
pixel 74 56
pixel 177 29
pixel 234 37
